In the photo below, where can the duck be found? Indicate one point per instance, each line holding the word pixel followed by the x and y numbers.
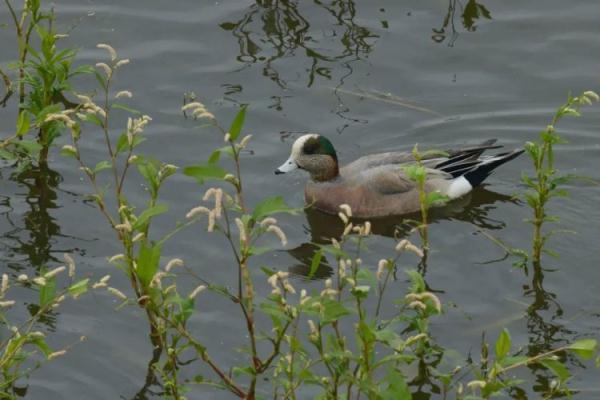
pixel 377 185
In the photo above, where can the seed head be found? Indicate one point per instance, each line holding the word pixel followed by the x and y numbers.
pixel 110 49
pixel 4 285
pixel 196 211
pixel 279 233
pixel 244 141
pixel 196 291
pixel 346 209
pixel 382 266
pixel 211 221
pixel 367 229
pixel 39 280
pixel 116 257
pixel 70 264
pixel 476 384
pixel 56 354
pixel 7 303
pixel 124 93
pixel 268 221
pixel 176 262
pixel 54 272
pixel 122 62
pixel 107 70
pixel 241 229
pixel 117 293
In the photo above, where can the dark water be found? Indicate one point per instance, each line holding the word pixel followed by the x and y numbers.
pixel 372 76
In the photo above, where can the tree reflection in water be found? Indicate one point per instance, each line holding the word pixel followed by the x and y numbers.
pixel 30 244
pixel 471 13
pixel 272 30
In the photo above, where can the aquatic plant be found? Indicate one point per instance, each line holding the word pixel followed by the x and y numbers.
pixel 44 76
pixel 547 182
pixel 337 341
pixel 22 340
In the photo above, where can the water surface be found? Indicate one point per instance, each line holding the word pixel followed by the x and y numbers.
pixel 372 76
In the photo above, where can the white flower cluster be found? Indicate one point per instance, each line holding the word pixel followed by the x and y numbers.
pixel 417 301
pixel 197 110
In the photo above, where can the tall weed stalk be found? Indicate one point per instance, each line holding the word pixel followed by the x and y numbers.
pixel 547 181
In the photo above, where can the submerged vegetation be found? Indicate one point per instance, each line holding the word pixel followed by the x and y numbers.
pixel 334 342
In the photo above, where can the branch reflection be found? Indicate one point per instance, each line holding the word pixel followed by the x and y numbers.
pixel 471 13
pixel 272 30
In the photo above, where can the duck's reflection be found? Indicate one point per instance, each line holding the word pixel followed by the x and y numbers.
pixel 473 208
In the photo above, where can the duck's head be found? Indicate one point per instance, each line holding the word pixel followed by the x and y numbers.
pixel 315 154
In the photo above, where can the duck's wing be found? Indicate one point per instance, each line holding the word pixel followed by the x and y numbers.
pixel 432 160
pixel 392 179
pixel 375 160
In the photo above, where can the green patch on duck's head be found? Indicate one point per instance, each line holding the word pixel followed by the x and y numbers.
pixel 318 144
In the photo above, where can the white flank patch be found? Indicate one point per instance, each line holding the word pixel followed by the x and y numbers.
pixel 459 187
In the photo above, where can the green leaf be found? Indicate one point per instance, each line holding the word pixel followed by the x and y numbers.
pixel 149 213
pixel 147 263
pixel 436 198
pixel 101 79
pixel 258 250
pixel 361 291
pixel 205 172
pixel 123 143
pixel 23 123
pixel 78 288
pixel 416 172
pixel 48 292
pixel 186 308
pixel 237 371
pixel 503 345
pixel 93 119
pixel 332 310
pixel 397 388
pixel 274 311
pixel 271 206
pixel 102 165
pixel 41 344
pixel 30 146
pixel 366 276
pixel 512 360
pixel 216 155
pixel 315 262
pixel 83 69
pixel 123 107
pixel 391 338
pixel 149 171
pixel 6 155
pixel 561 372
pixel 68 152
pixel 417 280
pixel 584 348
pixel 238 123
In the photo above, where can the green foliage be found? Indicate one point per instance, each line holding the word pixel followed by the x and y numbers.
pixel 23 347
pixel 547 181
pixel 335 339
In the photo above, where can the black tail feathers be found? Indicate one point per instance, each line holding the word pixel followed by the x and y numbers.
pixel 484 168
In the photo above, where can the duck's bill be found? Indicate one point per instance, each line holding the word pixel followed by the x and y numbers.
pixel 287 166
